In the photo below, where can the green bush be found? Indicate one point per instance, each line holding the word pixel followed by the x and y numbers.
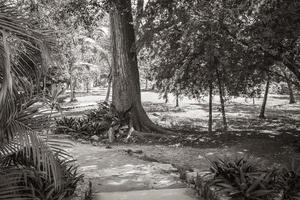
pixel 79 127
pixel 243 180
pixel 96 122
pixel 29 180
pixel 289 182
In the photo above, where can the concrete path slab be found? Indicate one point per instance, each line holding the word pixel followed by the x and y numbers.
pixel 113 170
pixel 163 194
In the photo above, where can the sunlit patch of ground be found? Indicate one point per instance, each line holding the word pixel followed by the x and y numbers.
pixel 115 170
pixel 274 138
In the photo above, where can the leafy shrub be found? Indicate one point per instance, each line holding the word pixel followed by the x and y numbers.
pixel 242 180
pixel 96 122
pixel 289 182
pixel 44 187
pixel 31 180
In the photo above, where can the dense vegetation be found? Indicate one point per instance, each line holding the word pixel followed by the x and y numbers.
pixel 229 48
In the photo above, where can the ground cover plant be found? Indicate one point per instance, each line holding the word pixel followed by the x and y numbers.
pixel 244 179
pixel 96 122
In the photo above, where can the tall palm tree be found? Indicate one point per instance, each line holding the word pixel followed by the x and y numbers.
pixel 23 153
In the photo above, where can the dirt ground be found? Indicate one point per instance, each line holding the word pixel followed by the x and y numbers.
pixel 272 140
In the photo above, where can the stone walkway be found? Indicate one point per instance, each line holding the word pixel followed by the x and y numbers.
pixel 117 175
pixel 164 194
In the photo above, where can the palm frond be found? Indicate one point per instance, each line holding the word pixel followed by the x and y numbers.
pixel 24 55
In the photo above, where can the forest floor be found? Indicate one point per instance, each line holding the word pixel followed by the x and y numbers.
pixel 271 141
pixel 275 138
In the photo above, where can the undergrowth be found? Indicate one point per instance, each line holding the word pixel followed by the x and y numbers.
pixel 96 122
pixel 242 179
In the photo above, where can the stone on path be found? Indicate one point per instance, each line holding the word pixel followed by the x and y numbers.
pixel 163 194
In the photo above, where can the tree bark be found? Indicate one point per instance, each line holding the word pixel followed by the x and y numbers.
pixel 87 86
pixel 290 87
pixel 146 84
pixel 139 14
pixel 166 96
pixel 221 92
pixel 263 107
pixel 293 67
pixel 108 89
pixel 177 99
pixel 44 85
pixel 126 95
pixel 210 120
pixel 72 86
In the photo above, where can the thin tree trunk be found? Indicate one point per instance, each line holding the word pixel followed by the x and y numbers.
pixel 87 86
pixel 109 79
pixel 177 99
pixel 45 86
pixel 166 96
pixel 210 120
pixel 290 87
pixel 293 67
pixel 221 92
pixel 146 85
pixel 126 95
pixel 72 86
pixel 263 107
pixel 108 89
pixel 292 97
pixel 139 14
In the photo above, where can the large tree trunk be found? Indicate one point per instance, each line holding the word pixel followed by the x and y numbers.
pixel 210 120
pixel 263 107
pixel 221 92
pixel 126 95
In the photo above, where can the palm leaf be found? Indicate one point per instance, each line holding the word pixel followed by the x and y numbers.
pixel 22 50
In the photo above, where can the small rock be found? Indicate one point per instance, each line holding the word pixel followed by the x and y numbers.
pixel 191 177
pixel 95 138
pixel 95 143
pixel 155 114
pixel 79 140
pixel 129 151
pixel 138 151
pixel 82 141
